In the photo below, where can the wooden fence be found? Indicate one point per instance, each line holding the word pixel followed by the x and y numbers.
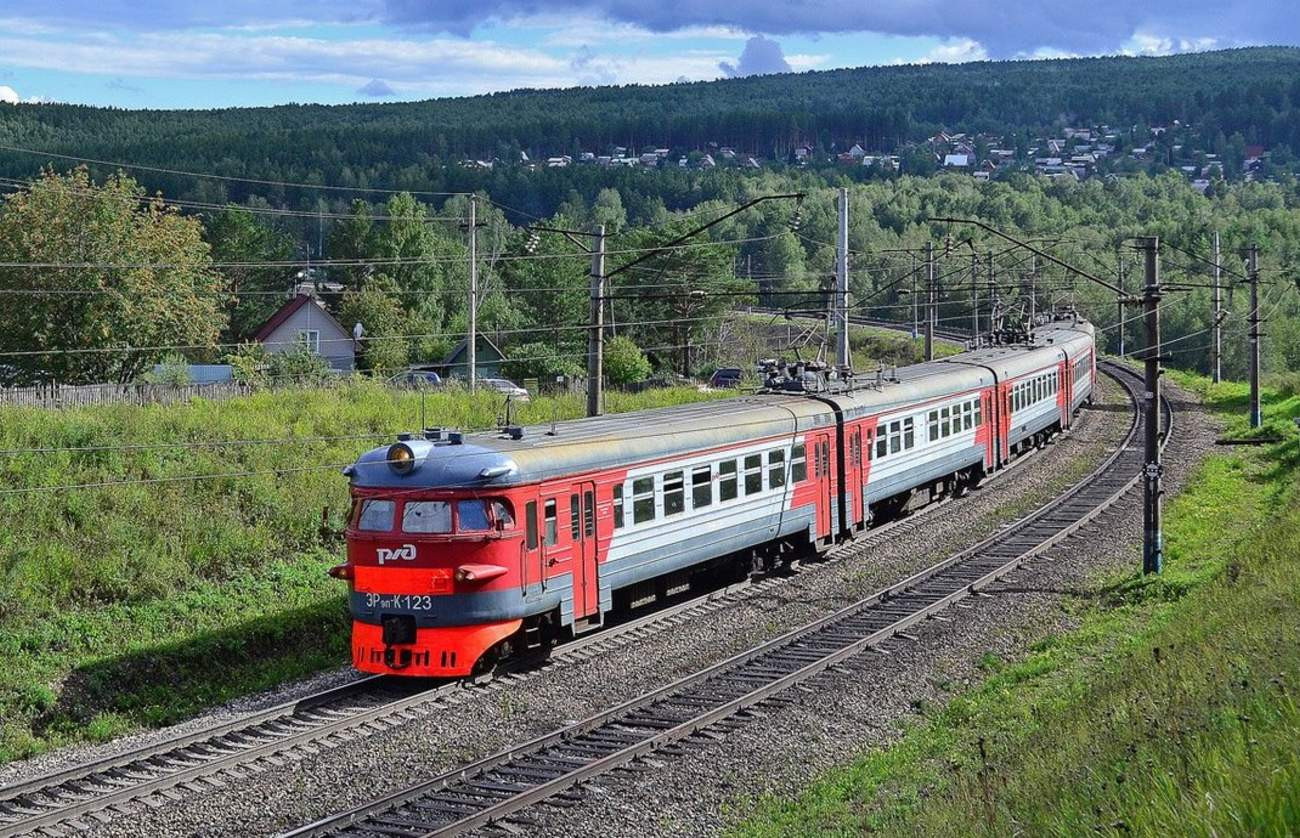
pixel 77 395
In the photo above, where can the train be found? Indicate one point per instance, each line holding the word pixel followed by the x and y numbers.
pixel 464 549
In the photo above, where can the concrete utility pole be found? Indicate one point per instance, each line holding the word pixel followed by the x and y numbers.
pixel 842 360
pixel 1216 363
pixel 472 345
pixel 596 334
pixel 916 318
pixel 1153 538
pixel 1033 294
pixel 1252 273
pixel 993 301
pixel 1120 306
pixel 929 301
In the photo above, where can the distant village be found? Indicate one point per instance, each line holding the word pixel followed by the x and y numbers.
pixel 1075 153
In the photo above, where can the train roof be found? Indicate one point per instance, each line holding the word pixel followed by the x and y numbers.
pixel 578 446
pixel 497 459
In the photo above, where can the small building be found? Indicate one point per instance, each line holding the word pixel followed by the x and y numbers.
pixel 487 360
pixel 857 152
pixel 956 161
pixel 303 321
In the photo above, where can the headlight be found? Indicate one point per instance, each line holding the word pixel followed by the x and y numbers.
pixel 401 458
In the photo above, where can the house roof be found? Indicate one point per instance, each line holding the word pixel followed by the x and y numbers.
pixel 286 311
pixel 464 342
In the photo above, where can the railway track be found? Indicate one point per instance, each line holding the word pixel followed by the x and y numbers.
pixel 495 789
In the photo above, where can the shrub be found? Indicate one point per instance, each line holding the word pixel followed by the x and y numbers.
pixel 625 363
pixel 299 366
pixel 172 371
pixel 249 363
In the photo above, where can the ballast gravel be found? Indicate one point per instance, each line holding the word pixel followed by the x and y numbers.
pixel 700 792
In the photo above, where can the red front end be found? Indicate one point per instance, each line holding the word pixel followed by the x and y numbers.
pixel 436 580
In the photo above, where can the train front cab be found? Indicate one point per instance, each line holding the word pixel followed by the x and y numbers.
pixel 436 580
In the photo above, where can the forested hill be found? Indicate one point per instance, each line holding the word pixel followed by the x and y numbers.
pixel 1253 92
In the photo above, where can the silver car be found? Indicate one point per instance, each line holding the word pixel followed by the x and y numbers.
pixel 505 388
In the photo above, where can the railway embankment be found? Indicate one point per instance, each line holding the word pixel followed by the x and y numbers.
pixel 1157 705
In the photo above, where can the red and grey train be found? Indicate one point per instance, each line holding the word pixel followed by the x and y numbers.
pixel 464 547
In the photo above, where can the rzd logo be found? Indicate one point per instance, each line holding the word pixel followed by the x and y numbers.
pixel 404 553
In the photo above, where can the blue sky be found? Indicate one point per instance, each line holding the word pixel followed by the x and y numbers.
pixel 186 53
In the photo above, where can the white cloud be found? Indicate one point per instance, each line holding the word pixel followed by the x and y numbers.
pixel 8 95
pixel 955 51
pixel 1145 43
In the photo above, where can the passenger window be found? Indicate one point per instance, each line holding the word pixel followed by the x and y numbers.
pixel 753 474
pixel 945 424
pixel 909 434
pixel 799 463
pixel 701 487
pixel 978 404
pixel 727 480
pixel 471 516
pixel 427 516
pixel 551 534
pixel 882 444
pixel 376 515
pixel 618 506
pixel 933 426
pixel 775 468
pixel 895 438
pixel 575 523
pixel 643 500
pixel 871 442
pixel 674 493
pixel 530 524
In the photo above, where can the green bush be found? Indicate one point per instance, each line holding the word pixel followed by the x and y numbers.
pixel 173 371
pixel 625 363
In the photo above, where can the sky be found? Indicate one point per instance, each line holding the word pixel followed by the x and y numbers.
pixel 205 54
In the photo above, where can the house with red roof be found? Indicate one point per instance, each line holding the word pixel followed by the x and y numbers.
pixel 303 321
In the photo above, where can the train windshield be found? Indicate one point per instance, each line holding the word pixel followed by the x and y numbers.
pixel 433 517
pixel 376 515
pixel 426 516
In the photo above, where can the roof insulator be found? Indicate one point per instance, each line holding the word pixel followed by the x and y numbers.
pixel 404 437
pixel 515 432
pixel 433 434
pixel 456 438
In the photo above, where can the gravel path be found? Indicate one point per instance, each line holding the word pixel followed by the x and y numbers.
pixel 314 785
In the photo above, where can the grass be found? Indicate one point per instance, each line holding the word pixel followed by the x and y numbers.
pixel 1170 710
pixel 138 603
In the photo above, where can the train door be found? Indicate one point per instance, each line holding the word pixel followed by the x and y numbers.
pixel 826 486
pixel 856 479
pixel 582 529
pixel 1065 392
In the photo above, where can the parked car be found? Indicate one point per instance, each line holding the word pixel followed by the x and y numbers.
pixel 416 379
pixel 506 388
pixel 726 377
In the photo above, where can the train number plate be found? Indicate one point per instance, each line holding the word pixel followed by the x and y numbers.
pixel 404 602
